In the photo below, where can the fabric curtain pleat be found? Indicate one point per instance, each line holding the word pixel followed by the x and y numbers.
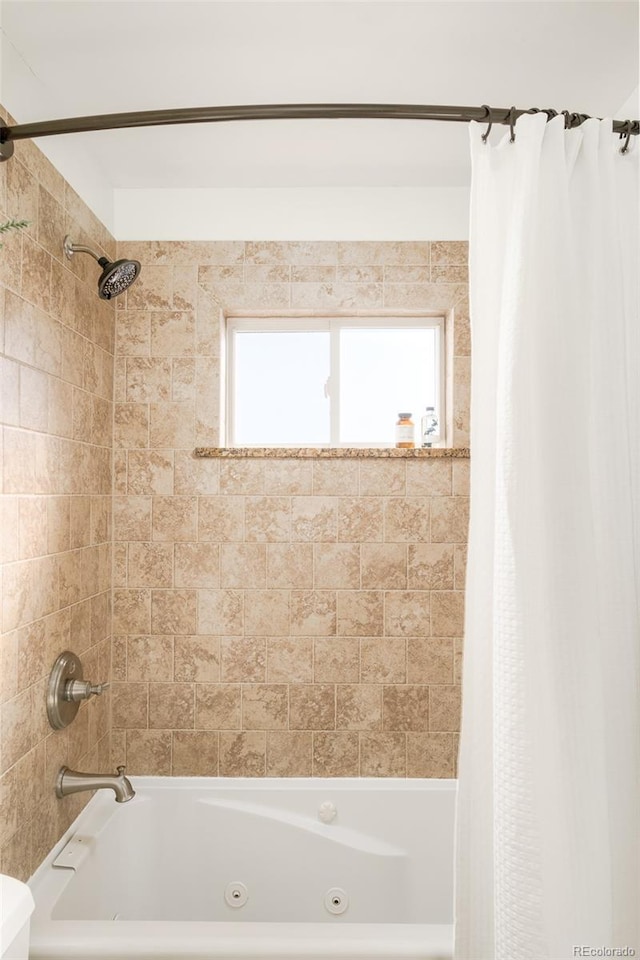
pixel 548 816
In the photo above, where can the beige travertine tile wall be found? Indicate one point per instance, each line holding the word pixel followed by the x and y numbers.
pixel 280 617
pixel 273 617
pixel 56 384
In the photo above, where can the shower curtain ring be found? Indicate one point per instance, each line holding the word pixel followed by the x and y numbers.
pixel 568 119
pixel 512 125
pixel 487 116
pixel 625 147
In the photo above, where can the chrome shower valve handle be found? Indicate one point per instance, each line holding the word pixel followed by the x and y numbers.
pixel 67 689
pixel 83 689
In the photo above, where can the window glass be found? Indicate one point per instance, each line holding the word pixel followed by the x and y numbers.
pixel 330 381
pixel 279 388
pixel 383 372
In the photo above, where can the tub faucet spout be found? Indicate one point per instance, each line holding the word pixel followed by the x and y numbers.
pixel 70 781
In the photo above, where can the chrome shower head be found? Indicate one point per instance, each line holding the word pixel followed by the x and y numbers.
pixel 116 275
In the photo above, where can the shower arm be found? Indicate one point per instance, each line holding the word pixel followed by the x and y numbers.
pixel 70 248
pixel 287 111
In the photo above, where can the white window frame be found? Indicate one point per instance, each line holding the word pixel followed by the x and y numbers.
pixel 333 324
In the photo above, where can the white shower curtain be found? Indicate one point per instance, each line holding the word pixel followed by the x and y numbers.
pixel 548 829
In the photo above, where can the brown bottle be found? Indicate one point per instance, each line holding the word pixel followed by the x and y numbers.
pixel 405 431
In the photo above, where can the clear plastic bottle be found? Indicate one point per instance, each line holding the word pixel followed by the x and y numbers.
pixel 405 431
pixel 430 428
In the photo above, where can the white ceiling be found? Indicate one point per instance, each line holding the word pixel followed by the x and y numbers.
pixel 99 56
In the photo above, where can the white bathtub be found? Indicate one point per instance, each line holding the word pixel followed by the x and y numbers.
pixel 148 878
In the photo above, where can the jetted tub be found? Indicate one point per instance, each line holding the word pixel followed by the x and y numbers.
pixel 248 868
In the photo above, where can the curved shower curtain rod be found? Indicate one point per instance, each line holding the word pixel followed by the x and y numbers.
pixel 286 111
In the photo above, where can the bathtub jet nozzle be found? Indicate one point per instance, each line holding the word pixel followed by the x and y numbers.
pixel 70 781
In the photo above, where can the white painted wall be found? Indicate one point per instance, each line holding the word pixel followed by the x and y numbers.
pixel 304 213
pixel 68 154
pixel 44 80
pixel 630 109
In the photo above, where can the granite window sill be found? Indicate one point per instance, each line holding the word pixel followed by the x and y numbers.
pixel 332 453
